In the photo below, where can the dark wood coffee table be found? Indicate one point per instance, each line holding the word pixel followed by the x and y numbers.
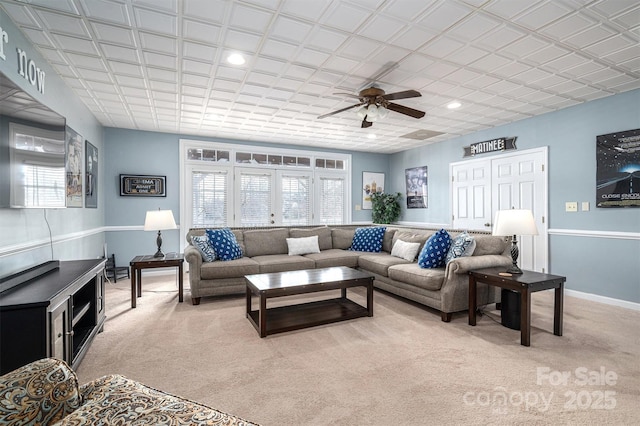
pixel 310 314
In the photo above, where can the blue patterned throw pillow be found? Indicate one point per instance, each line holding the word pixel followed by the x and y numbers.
pixel 201 242
pixel 368 239
pixel 224 243
pixel 460 246
pixel 435 250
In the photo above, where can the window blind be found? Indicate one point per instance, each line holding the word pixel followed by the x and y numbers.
pixel 209 198
pixel 296 200
pixel 332 198
pixel 255 199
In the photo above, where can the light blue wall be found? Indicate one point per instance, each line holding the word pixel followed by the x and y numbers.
pixel 151 153
pixel 604 266
pixel 76 232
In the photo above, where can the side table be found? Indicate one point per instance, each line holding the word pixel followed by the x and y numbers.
pixel 525 284
pixel 139 263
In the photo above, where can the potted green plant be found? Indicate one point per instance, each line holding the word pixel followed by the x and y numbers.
pixel 385 207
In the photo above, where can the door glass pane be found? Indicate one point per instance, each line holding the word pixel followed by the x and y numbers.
pixel 296 204
pixel 255 199
pixel 209 199
pixel 332 198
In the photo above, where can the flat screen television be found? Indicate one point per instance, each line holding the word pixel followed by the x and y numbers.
pixel 32 151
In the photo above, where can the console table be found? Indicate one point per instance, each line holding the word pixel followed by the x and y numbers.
pixel 525 284
pixel 139 263
pixel 52 310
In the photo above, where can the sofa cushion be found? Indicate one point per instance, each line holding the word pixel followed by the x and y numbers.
pixel 378 263
pixel 412 237
pixel 368 239
pixel 201 242
pixel 462 245
pixel 282 262
pixel 334 257
pixel 404 250
pixel 489 244
pixel 412 273
pixel 236 268
pixel 387 240
pixel 116 400
pixel 260 242
pixel 224 243
pixel 303 245
pixel 323 233
pixel 39 393
pixel 342 238
pixel 435 250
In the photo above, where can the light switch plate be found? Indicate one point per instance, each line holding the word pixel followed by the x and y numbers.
pixel 571 206
pixel 585 206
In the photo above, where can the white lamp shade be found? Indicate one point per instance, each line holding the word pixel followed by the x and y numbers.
pixel 514 222
pixel 382 112
pixel 361 112
pixel 157 220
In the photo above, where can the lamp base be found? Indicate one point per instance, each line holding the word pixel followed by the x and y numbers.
pixel 159 253
pixel 514 269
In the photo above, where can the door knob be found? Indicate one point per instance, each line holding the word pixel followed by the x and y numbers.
pixel 487 224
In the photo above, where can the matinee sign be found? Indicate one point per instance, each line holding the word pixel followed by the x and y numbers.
pixel 494 145
pixel 143 185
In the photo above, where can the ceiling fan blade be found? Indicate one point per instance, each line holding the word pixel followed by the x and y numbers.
pixel 405 110
pixel 340 110
pixel 402 95
pixel 366 123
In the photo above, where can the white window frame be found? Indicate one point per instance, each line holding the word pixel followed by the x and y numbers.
pixel 188 166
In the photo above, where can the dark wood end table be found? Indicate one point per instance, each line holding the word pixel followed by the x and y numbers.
pixel 303 315
pixel 139 263
pixel 525 284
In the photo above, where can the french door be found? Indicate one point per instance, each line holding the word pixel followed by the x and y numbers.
pixel 481 187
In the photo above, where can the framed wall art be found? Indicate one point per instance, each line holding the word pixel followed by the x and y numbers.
pixel 372 183
pixel 143 185
pixel 73 167
pixel 91 176
pixel 416 182
pixel 618 167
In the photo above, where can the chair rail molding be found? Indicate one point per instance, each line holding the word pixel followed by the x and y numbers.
pixel 618 235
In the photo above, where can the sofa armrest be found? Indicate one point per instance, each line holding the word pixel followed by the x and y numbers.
pixel 193 258
pixel 41 392
pixel 462 265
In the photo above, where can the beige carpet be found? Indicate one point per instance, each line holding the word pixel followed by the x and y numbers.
pixel 403 366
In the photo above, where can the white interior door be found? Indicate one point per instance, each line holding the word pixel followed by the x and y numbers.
pixel 471 195
pixel 519 181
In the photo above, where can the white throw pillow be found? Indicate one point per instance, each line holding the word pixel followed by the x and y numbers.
pixel 303 245
pixel 405 250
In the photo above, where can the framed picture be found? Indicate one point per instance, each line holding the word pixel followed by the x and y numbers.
pixel 73 167
pixel 143 185
pixel 416 182
pixel 91 176
pixel 371 183
pixel 618 166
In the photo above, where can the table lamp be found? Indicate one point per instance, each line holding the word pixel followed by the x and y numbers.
pixel 157 220
pixel 514 222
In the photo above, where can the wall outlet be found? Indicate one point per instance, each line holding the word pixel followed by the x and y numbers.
pixel 358 207
pixel 585 206
pixel 571 206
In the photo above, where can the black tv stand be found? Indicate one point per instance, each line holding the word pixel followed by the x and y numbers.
pixel 53 310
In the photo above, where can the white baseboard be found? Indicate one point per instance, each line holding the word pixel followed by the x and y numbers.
pixel 603 299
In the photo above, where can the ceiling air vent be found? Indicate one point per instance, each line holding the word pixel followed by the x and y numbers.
pixel 421 135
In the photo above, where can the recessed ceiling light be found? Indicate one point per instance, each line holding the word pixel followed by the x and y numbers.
pixel 236 59
pixel 454 105
pixel 371 136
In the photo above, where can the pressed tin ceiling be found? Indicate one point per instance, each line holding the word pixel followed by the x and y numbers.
pixel 160 65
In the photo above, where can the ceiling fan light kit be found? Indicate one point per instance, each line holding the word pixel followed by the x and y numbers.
pixel 375 105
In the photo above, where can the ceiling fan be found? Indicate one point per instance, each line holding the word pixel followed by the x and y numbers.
pixel 375 104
